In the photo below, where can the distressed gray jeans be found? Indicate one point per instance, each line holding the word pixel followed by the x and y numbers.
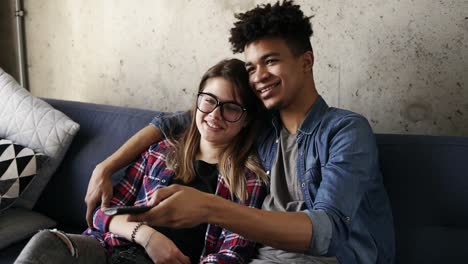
pixel 51 246
pixel 269 255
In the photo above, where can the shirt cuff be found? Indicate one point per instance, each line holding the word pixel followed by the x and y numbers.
pixel 101 221
pixel 321 232
pixel 157 121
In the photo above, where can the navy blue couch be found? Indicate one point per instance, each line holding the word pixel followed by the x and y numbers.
pixel 426 178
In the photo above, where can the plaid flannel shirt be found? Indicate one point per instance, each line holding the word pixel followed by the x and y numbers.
pixel 150 173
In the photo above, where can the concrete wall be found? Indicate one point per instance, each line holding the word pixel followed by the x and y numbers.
pixel 402 64
pixel 8 50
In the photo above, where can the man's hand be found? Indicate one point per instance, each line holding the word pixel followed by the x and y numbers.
pixel 99 189
pixel 162 250
pixel 176 206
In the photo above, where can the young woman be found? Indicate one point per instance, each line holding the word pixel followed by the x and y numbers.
pixel 214 155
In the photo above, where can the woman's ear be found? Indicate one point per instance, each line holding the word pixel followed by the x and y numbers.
pixel 308 61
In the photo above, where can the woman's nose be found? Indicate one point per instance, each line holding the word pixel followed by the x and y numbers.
pixel 216 113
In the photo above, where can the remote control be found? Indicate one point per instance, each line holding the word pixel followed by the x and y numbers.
pixel 126 210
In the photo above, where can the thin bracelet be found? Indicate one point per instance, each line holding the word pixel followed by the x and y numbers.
pixel 135 230
pixel 149 239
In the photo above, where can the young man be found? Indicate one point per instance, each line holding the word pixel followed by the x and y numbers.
pixel 327 201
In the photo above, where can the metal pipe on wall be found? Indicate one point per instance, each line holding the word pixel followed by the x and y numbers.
pixel 19 13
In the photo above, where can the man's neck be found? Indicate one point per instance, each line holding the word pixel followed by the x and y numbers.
pixel 293 115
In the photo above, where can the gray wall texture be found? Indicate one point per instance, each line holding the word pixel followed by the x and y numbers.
pixel 402 64
pixel 8 50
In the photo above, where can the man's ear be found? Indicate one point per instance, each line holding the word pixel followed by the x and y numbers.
pixel 308 61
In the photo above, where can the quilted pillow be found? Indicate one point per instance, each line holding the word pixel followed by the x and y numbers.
pixel 31 122
pixel 18 167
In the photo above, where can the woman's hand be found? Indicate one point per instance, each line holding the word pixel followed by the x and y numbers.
pixel 99 189
pixel 162 250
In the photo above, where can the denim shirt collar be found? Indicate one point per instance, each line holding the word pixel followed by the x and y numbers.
pixel 311 120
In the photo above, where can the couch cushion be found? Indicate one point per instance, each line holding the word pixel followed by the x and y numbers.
pixel 435 244
pixel 17 224
pixel 426 178
pixel 31 122
pixel 18 167
pixel 8 255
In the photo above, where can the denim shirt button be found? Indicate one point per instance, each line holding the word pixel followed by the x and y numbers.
pixel 348 219
pixel 163 180
pixel 303 185
pixel 276 141
pixel 268 172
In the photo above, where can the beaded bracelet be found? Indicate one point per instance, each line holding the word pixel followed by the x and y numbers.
pixel 135 230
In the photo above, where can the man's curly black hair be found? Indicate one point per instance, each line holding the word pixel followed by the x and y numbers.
pixel 284 20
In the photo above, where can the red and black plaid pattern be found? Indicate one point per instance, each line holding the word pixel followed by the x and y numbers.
pixel 150 173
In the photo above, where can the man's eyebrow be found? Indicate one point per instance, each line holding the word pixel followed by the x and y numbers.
pixel 269 54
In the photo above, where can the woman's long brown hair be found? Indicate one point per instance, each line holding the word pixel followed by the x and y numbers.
pixel 240 154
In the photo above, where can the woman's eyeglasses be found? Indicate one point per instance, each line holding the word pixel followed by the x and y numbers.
pixel 230 111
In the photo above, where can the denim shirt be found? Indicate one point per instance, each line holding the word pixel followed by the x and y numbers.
pixel 338 171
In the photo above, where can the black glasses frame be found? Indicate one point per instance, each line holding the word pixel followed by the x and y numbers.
pixel 221 105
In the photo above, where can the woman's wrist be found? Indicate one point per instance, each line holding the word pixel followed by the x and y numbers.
pixel 144 234
pixel 135 231
pixel 149 239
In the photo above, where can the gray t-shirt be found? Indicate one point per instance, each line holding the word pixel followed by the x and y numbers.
pixel 286 195
pixel 285 192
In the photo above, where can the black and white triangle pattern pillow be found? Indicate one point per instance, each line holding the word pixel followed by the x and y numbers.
pixel 18 167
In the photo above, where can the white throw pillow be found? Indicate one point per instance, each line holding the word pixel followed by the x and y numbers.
pixel 31 122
